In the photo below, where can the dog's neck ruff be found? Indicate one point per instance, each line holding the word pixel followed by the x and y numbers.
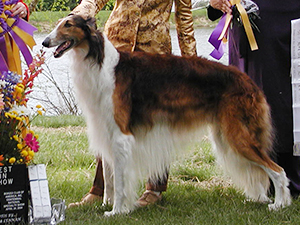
pixel 94 74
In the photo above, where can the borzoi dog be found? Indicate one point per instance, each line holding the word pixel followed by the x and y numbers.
pixel 140 108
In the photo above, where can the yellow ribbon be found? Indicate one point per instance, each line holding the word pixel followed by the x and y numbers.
pixel 14 61
pixel 246 24
pixel 17 58
pixel 27 38
pixel 226 25
pixel 12 55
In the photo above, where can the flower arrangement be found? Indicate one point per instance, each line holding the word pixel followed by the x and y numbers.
pixel 18 143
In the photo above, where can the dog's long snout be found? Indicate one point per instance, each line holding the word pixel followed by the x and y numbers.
pixel 46 42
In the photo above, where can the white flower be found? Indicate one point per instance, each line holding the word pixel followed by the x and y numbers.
pixel 21 110
pixel 3 83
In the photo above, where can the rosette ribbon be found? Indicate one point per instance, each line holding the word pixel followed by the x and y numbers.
pixel 218 38
pixel 16 35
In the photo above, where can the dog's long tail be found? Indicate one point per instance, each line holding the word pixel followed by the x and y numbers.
pixel 243 137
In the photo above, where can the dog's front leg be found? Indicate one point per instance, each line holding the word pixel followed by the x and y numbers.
pixel 108 183
pixel 121 149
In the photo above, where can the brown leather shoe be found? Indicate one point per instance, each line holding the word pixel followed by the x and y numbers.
pixel 87 199
pixel 148 198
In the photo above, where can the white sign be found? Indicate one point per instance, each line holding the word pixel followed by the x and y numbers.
pixel 295 71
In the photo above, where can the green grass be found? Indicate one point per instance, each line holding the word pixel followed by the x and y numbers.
pixel 58 121
pixel 197 191
pixel 45 21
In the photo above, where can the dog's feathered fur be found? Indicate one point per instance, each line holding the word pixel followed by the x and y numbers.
pixel 141 107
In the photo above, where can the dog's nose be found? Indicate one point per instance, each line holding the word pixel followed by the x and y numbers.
pixel 46 42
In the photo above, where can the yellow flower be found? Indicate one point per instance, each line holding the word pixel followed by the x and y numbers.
pixel 15 112
pixel 31 153
pixel 40 107
pixel 21 85
pixel 12 160
pixel 15 137
pixel 20 146
pixel 24 153
pixel 19 89
pixel 7 114
pixel 40 112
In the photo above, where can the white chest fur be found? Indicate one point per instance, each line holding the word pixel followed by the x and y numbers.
pixel 94 86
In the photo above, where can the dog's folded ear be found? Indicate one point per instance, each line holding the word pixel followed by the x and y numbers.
pixel 91 22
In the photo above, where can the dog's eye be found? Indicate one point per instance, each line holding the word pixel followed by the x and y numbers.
pixel 68 24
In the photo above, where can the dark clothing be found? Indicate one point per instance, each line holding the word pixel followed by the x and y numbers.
pixel 98 185
pixel 213 14
pixel 269 67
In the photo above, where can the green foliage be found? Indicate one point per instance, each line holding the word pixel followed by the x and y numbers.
pixel 56 5
pixel 64 5
pixel 109 5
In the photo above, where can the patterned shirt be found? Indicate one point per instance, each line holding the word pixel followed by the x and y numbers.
pixel 143 25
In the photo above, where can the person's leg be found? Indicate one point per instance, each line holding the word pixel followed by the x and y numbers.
pixel 98 185
pixel 96 191
pixel 153 191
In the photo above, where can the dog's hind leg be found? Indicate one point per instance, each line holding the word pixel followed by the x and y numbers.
pixel 108 183
pixel 248 131
pixel 245 175
pixel 121 157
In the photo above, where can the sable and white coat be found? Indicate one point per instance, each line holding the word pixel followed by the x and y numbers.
pixel 140 108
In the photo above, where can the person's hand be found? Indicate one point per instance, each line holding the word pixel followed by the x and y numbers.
pixel 223 5
pixel 20 10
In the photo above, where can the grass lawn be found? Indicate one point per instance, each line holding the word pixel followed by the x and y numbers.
pixel 197 193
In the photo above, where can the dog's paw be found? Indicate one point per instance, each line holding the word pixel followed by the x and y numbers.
pixel 115 212
pixel 274 207
pixel 109 213
pixel 284 200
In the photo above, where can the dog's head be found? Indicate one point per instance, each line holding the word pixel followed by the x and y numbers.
pixel 69 33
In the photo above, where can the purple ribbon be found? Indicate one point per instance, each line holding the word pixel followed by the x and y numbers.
pixel 22 46
pixel 3 65
pixel 3 47
pixel 3 55
pixel 218 52
pixel 11 2
pixel 28 28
